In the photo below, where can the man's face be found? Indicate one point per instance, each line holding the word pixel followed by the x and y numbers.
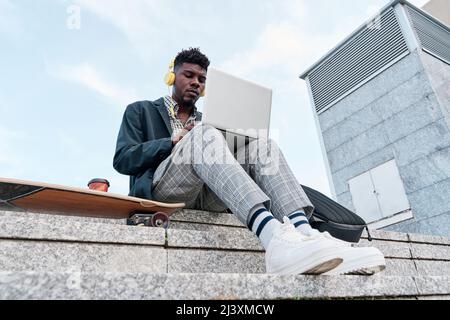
pixel 189 83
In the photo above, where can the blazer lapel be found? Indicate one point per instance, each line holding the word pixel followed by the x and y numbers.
pixel 163 111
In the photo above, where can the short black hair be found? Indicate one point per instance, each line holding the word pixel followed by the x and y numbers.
pixel 192 55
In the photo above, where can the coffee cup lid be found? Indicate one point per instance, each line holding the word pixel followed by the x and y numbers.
pixel 98 180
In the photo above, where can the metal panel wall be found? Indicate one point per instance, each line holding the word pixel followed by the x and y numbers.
pixel 358 60
pixel 434 38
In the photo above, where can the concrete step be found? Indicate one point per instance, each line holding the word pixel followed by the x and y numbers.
pixel 212 250
pixel 139 286
pixel 108 247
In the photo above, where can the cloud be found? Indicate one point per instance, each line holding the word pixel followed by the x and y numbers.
pixel 10 163
pixel 89 77
pixel 282 50
pixel 419 3
pixel 69 144
pixel 10 22
pixel 141 21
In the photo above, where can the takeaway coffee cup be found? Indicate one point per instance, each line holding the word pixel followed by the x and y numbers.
pixel 99 185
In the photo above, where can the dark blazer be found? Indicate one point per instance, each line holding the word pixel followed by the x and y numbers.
pixel 144 141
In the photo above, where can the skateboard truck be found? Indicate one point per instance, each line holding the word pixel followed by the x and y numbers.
pixel 146 219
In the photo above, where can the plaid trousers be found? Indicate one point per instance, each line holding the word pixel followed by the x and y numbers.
pixel 204 174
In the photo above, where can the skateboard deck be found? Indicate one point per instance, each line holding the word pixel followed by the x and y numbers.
pixel 37 197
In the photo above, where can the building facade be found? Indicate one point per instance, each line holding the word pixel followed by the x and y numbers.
pixel 382 105
pixel 439 9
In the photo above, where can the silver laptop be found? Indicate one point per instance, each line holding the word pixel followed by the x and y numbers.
pixel 239 108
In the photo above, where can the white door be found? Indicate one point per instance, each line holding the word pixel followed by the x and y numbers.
pixel 364 199
pixel 389 189
pixel 379 193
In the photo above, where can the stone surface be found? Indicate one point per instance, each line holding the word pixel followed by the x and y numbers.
pixel 427 171
pixel 224 239
pixel 77 261
pixel 431 201
pixel 404 96
pixel 399 267
pixel 387 108
pixel 374 90
pixel 221 219
pixel 420 238
pixel 431 252
pixel 439 73
pixel 433 268
pixel 62 257
pixel 402 114
pixel 386 236
pixel 389 249
pixel 198 226
pixel 350 128
pixel 122 286
pixel 341 177
pixel 413 118
pixel 358 148
pixel 433 285
pixel 58 218
pixel 437 226
pixel 42 229
pixel 428 140
pixel 209 261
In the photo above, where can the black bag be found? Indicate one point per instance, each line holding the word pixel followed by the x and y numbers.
pixel 330 216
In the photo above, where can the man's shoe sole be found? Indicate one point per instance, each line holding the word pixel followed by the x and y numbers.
pixel 327 261
pixel 324 267
pixel 363 267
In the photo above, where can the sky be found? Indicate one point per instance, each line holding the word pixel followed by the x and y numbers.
pixel 69 68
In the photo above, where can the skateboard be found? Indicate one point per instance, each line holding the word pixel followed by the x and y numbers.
pixel 37 197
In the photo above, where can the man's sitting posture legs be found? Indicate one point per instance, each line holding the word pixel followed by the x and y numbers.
pixel 204 174
pixel 170 160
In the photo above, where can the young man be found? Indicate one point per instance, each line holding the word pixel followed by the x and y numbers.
pixel 171 159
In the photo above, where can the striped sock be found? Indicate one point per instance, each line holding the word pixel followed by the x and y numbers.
pixel 300 222
pixel 262 223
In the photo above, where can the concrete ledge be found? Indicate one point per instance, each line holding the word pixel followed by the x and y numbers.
pixel 210 286
pixel 433 285
pixel 431 252
pixel 433 268
pixel 399 267
pixel 59 218
pixel 19 256
pixel 209 261
pixel 89 259
pixel 385 235
pixel 58 230
pixel 419 238
pixel 193 226
pixel 194 216
pixel 221 238
pixel 389 249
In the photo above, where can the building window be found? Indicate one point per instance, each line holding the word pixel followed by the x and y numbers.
pixel 379 196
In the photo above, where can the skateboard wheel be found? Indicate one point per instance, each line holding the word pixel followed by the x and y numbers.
pixel 160 220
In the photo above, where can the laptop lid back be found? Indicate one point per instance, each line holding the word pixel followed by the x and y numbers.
pixel 236 105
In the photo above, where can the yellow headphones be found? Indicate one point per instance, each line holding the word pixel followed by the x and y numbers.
pixel 169 79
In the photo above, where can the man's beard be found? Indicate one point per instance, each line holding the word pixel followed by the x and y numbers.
pixel 190 103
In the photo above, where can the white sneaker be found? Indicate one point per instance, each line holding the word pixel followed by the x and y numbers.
pixel 292 253
pixel 357 260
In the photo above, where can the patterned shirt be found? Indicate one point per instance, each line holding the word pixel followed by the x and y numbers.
pixel 175 122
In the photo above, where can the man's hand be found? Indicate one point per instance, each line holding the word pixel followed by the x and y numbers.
pixel 184 132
